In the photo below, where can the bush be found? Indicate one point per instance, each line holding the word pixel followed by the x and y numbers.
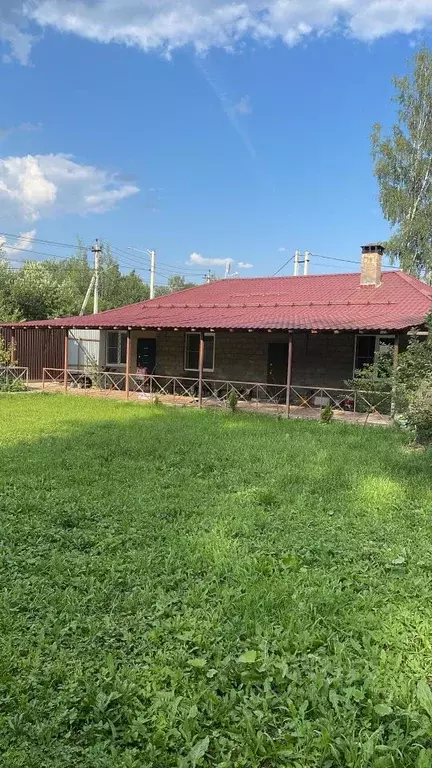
pixel 373 384
pixel 327 414
pixel 420 413
pixel 8 384
pixel 5 352
pixel 233 400
pixel 414 368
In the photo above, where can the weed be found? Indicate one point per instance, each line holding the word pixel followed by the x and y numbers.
pixel 233 401
pixel 327 414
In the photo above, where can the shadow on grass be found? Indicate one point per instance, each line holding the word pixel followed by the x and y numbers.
pixel 171 577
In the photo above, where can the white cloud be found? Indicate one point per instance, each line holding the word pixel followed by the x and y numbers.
pixel 203 261
pixel 196 258
pixel 282 249
pixel 12 248
pixel 45 185
pixel 165 25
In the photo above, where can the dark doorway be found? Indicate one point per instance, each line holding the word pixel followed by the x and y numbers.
pixel 146 354
pixel 277 364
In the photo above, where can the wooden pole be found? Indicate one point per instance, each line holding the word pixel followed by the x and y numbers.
pixel 65 368
pixel 13 348
pixel 201 369
pixel 289 373
pixel 128 362
pixel 395 366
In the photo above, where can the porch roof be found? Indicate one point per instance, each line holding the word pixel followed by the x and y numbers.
pixel 315 302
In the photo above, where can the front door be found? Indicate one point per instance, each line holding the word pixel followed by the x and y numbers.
pixel 277 363
pixel 146 354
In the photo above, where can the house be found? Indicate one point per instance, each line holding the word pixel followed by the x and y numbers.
pixel 310 331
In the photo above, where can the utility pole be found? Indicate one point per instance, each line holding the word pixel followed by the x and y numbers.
pixel 152 255
pixel 307 258
pixel 296 263
pixel 97 250
pixel 152 273
pixel 87 296
pixel 227 268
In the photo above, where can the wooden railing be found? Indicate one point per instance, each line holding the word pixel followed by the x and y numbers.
pixel 10 374
pixel 219 393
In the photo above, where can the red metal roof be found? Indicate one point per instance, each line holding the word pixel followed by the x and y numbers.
pixel 314 302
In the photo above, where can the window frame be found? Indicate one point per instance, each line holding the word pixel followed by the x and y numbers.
pixel 118 364
pixel 377 337
pixel 185 361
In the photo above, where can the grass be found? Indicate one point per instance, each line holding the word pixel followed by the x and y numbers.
pixel 195 589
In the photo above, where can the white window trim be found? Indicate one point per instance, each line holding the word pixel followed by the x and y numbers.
pixel 194 333
pixel 377 336
pixel 114 365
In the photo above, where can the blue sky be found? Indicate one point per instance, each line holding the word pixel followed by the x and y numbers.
pixel 223 140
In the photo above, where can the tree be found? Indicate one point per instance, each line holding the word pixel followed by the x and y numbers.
pixel 174 283
pixel 34 293
pixel 73 274
pixel 178 283
pixel 8 309
pixel 403 168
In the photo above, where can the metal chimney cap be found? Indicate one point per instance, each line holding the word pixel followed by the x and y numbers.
pixel 373 248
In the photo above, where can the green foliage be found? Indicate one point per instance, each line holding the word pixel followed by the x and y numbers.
pixel 403 167
pixel 5 352
pixel 373 384
pixel 57 287
pixel 155 613
pixel 174 283
pixel 420 413
pixel 414 368
pixel 233 401
pixel 327 414
pixel 35 294
pixel 9 384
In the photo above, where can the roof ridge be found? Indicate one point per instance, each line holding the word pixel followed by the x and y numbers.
pixel 422 288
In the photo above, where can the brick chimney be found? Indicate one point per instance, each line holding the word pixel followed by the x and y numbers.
pixel 371 264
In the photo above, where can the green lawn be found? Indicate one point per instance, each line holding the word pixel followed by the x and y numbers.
pixel 182 588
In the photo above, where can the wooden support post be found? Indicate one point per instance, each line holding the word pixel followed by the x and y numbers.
pixel 289 373
pixel 13 348
pixel 128 362
pixel 201 369
pixel 65 367
pixel 395 365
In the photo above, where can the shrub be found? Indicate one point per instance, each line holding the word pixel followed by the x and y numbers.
pixel 373 384
pixel 414 368
pixel 420 413
pixel 233 400
pixel 7 384
pixel 5 352
pixel 327 414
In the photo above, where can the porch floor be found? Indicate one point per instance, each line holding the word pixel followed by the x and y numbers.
pixel 296 411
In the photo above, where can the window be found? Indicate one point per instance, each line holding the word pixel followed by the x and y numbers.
pixel 367 349
pixel 116 348
pixel 192 351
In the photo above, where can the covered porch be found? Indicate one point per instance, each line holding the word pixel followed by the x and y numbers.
pixel 291 374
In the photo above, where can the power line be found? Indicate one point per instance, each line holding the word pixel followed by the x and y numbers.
pixel 37 240
pixel 38 253
pixel 283 266
pixel 334 258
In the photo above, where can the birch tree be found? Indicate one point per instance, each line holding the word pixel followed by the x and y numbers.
pixel 403 168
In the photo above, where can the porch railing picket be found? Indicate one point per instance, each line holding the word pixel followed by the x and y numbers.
pixel 180 390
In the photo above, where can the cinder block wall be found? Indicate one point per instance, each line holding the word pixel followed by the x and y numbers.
pixel 322 359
